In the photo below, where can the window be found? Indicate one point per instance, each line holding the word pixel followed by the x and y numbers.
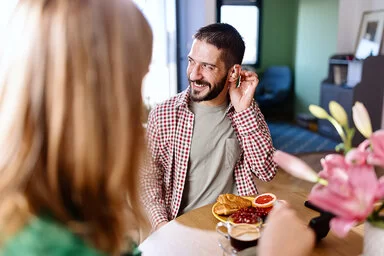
pixel 6 9
pixel 160 82
pixel 245 16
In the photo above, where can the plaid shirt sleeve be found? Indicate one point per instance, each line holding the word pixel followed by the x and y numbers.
pixel 256 142
pixel 152 176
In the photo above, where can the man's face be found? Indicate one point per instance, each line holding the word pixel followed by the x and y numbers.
pixel 206 72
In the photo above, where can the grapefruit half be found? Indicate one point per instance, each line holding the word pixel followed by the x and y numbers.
pixel 264 200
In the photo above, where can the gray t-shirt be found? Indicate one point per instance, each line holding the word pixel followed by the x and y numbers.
pixel 213 156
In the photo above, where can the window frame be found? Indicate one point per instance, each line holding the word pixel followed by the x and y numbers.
pixel 258 4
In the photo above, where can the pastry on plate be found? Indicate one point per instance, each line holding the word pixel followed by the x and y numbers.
pixel 230 203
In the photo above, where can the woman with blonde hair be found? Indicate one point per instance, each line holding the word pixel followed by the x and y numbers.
pixel 70 130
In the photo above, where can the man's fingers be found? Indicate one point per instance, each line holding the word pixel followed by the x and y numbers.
pixel 249 82
pixel 248 75
pixel 278 206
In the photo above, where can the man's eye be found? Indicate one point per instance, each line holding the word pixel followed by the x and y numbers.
pixel 209 67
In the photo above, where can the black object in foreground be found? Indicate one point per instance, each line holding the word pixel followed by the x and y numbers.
pixel 313 207
pixel 320 224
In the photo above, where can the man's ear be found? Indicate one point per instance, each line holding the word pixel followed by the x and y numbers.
pixel 234 73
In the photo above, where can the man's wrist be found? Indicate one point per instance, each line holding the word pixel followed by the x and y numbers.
pixel 241 109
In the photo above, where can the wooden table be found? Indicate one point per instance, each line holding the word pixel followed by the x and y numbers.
pixel 295 192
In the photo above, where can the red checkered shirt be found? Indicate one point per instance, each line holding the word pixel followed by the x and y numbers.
pixel 169 135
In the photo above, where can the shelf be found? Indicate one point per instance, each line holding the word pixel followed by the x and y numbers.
pixel 364 84
pixel 339 62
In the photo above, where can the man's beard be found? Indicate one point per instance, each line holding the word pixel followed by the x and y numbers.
pixel 213 92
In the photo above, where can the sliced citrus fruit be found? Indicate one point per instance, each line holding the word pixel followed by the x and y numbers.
pixel 264 200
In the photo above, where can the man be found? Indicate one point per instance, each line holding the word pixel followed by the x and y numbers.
pixel 211 138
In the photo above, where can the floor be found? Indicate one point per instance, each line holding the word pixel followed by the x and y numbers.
pixel 293 139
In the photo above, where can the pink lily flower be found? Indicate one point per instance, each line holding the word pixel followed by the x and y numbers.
pixel 347 186
pixel 380 190
pixel 341 226
pixel 351 192
pixel 376 157
pixel 333 166
pixel 357 156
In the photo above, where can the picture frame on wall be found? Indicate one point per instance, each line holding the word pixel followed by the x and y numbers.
pixel 370 36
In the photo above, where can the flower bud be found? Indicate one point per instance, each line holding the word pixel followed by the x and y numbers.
pixel 318 112
pixel 361 119
pixel 297 167
pixel 338 112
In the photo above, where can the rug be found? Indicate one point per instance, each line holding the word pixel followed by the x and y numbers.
pixel 296 140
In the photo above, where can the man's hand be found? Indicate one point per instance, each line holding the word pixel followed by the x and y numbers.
pixel 241 96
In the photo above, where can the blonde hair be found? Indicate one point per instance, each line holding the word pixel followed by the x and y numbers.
pixel 70 108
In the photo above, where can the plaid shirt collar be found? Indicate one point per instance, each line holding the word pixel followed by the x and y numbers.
pixel 184 99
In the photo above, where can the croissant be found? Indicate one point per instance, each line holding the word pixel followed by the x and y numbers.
pixel 230 203
pixel 224 209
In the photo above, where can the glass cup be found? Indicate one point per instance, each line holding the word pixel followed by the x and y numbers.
pixel 240 236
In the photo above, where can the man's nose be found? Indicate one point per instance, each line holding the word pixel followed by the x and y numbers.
pixel 195 73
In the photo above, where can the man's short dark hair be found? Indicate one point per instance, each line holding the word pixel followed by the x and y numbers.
pixel 226 38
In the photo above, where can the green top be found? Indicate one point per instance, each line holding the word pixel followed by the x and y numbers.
pixel 45 236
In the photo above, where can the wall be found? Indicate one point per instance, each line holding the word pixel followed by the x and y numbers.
pixel 161 15
pixel 316 42
pixel 279 22
pixel 191 17
pixel 298 33
pixel 350 14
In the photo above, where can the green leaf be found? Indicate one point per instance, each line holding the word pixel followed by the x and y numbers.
pixel 339 147
pixel 377 222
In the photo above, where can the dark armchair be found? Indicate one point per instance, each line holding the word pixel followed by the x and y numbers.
pixel 274 87
pixel 274 92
